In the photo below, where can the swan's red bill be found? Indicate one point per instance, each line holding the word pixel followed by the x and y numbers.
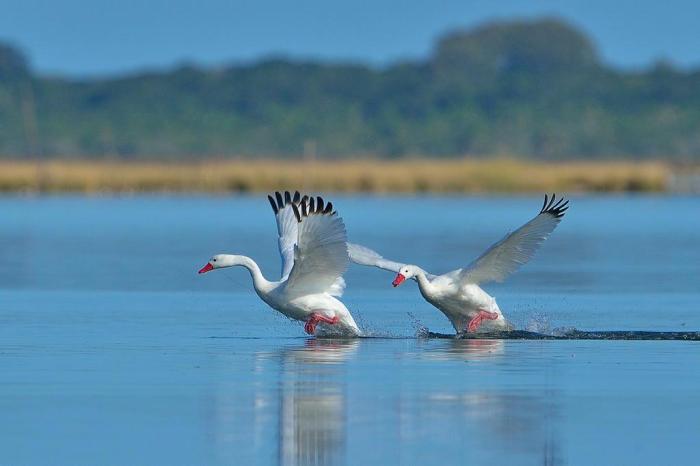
pixel 206 268
pixel 398 280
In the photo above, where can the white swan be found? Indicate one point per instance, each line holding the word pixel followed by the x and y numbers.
pixel 458 294
pixel 313 246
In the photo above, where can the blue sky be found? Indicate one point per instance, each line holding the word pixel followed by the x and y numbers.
pixel 106 36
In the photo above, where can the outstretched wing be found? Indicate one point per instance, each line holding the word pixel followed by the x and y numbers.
pixel 286 226
pixel 365 256
pixel 516 248
pixel 320 253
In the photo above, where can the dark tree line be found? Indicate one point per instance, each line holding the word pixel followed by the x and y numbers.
pixel 526 88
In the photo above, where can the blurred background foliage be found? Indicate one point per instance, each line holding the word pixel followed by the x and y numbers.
pixel 531 89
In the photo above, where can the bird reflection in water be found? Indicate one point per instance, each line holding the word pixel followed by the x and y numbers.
pixel 313 403
pixel 302 404
pixel 518 423
pixel 465 350
pixel 298 398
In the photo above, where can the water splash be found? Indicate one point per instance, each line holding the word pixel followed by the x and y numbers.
pixel 420 330
pixel 539 323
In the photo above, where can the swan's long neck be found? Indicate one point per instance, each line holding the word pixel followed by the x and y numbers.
pixel 260 284
pixel 423 282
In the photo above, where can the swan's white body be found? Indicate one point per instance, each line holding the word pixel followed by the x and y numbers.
pixel 461 302
pixel 458 294
pixel 313 246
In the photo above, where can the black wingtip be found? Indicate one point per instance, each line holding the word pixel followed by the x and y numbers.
pixel 273 204
pixel 303 205
pixel 278 196
pixel 554 207
pixel 296 212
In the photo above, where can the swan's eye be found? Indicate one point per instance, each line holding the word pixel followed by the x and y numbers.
pixel 213 260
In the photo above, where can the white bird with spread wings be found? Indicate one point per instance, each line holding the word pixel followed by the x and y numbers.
pixel 313 246
pixel 458 294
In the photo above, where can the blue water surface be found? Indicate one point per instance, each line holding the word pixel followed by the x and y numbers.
pixel 114 351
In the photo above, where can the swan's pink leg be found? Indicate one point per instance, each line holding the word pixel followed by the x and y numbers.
pixel 314 319
pixel 476 321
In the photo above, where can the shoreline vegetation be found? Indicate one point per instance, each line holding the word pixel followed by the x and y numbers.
pixel 535 88
pixel 359 176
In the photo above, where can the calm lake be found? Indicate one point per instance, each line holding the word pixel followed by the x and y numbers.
pixel 114 351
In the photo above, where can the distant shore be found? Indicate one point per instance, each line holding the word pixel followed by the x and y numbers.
pixel 374 176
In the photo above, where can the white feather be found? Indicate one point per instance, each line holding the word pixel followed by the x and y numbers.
pixel 507 255
pixel 287 227
pixel 320 255
pixel 365 256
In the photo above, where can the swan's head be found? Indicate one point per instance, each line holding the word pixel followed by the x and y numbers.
pixel 216 262
pixel 406 272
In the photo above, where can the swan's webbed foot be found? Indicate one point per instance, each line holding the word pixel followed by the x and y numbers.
pixel 314 319
pixel 475 323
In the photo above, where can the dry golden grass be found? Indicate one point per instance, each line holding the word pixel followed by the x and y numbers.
pixel 406 176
